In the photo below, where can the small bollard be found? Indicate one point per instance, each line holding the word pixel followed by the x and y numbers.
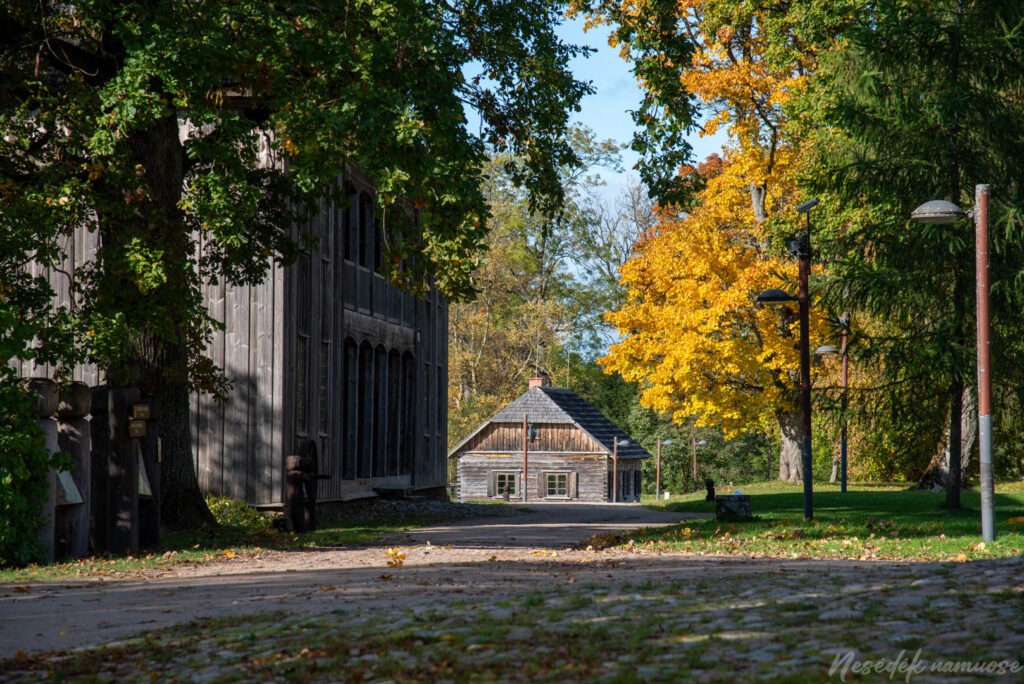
pixel 300 488
pixel 733 507
pixel 709 485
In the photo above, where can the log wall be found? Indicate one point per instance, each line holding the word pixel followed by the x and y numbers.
pixel 588 482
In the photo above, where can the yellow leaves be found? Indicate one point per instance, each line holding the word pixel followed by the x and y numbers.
pixel 289 146
pixel 229 554
pixel 693 334
pixel 396 557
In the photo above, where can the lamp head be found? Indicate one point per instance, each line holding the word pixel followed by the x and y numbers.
pixel 826 350
pixel 808 205
pixel 939 212
pixel 775 296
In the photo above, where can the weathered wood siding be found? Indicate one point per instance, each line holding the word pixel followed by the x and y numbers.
pixel 238 445
pixel 359 366
pixel 588 482
pixel 325 350
pixel 561 447
pixel 562 437
pixel 80 248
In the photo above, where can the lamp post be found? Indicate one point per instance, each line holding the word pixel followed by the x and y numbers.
pixel 802 250
pixel 694 443
pixel 943 212
pixel 657 469
pixel 844 323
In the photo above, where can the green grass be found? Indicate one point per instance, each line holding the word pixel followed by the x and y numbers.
pixel 221 543
pixel 867 522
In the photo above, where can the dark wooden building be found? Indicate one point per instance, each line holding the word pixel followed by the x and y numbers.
pixel 570 452
pixel 325 350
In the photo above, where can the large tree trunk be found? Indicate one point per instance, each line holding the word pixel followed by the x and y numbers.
pixel 956 398
pixel 790 446
pixel 968 431
pixel 161 356
pixel 937 476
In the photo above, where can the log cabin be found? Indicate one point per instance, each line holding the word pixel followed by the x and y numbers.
pixel 568 448
pixel 324 351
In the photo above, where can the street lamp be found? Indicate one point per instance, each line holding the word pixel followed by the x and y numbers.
pixel 844 325
pixel 657 470
pixel 944 213
pixel 802 250
pixel 693 445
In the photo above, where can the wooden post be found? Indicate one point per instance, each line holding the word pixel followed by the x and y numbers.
pixel 693 448
pixel 615 470
pixel 657 474
pixel 526 444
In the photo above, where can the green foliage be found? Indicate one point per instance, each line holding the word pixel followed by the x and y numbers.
pixel 867 522
pixel 655 38
pixel 907 107
pixel 377 84
pixel 153 124
pixel 231 513
pixel 537 295
pixel 24 464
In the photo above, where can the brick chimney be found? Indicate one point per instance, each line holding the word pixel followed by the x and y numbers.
pixel 541 380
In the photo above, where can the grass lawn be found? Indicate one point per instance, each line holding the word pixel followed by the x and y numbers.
pixel 244 536
pixel 874 521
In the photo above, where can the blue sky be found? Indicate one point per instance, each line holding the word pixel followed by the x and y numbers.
pixel 606 112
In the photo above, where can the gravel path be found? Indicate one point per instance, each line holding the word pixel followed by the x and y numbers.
pixel 515 580
pixel 61 615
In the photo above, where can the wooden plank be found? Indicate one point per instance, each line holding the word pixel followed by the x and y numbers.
pixel 275 463
pixel 284 378
pixel 238 442
pixel 262 297
pixel 212 420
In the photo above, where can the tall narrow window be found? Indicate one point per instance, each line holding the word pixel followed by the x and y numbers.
pixel 394 410
pixel 408 450
pixel 380 411
pixel 349 412
pixel 365 453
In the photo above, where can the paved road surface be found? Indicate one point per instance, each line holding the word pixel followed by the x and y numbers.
pixel 448 557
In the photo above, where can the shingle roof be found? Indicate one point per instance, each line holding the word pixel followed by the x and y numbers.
pixel 559 405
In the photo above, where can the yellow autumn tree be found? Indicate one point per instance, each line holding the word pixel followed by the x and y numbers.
pixel 693 336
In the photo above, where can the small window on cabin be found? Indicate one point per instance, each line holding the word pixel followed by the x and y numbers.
pixel 503 481
pixel 558 485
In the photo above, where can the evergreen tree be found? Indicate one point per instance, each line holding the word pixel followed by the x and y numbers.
pixel 915 102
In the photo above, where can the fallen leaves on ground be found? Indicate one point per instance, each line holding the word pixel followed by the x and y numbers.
pixel 396 557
